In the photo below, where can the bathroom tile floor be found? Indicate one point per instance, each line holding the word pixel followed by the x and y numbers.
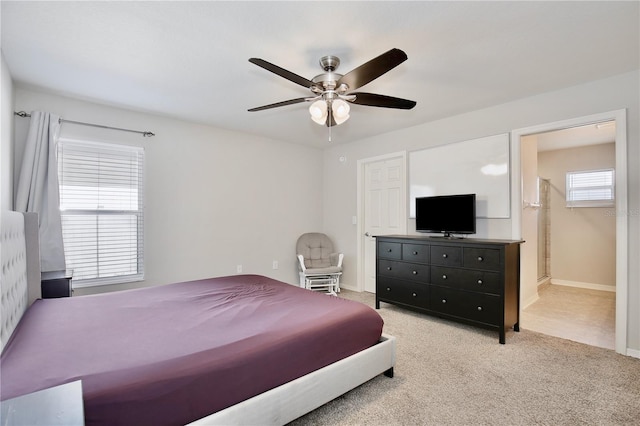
pixel 581 315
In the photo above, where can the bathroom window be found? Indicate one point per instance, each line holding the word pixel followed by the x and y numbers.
pixel 591 188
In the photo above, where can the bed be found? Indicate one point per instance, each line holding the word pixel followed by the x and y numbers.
pixel 243 349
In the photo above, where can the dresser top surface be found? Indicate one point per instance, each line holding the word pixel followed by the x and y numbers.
pixel 446 240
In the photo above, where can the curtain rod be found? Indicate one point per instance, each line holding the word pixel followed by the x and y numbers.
pixel 62 120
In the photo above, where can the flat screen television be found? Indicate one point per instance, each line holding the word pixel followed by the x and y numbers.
pixel 447 214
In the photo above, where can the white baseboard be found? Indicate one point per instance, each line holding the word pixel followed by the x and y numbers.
pixel 348 287
pixel 589 286
pixel 526 303
pixel 633 353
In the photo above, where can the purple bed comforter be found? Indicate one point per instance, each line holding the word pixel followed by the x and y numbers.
pixel 175 353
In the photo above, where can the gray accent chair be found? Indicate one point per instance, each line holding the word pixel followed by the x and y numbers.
pixel 319 265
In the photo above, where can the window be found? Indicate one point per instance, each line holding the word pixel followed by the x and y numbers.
pixel 591 188
pixel 102 208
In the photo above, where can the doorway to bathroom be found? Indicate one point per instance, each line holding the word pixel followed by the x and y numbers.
pixel 543 277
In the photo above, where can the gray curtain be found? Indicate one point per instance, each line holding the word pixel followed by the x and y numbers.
pixel 38 190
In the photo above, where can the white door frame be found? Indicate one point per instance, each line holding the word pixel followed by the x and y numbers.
pixel 622 230
pixel 360 208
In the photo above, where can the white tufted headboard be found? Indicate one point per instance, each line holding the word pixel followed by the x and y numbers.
pixel 20 275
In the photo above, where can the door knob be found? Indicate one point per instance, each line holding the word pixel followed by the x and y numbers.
pixel 366 234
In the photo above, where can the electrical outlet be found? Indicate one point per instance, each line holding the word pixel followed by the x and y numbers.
pixel 239 269
pixel 275 264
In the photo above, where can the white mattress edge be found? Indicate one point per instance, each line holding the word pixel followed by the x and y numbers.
pixel 298 397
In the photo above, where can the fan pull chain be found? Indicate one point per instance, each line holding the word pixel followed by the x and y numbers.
pixel 330 133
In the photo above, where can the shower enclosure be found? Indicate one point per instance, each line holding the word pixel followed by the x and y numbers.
pixel 544 229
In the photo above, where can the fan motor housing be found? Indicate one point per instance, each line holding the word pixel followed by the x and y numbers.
pixel 328 80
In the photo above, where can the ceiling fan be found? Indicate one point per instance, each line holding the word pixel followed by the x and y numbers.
pixel 332 92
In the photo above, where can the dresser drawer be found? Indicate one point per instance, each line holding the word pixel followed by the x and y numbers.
pixel 415 253
pixel 389 250
pixel 482 281
pixel 408 293
pixel 480 307
pixel 481 258
pixel 443 276
pixel 404 270
pixel 446 255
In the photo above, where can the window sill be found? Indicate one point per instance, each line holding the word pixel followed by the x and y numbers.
pixel 125 279
pixel 581 204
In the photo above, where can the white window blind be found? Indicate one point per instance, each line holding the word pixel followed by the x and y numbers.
pixel 102 207
pixel 592 188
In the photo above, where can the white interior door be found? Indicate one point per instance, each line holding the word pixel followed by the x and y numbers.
pixel 385 208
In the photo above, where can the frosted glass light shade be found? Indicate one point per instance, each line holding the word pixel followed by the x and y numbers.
pixel 319 111
pixel 340 111
pixel 340 108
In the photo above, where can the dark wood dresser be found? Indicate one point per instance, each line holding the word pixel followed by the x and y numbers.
pixel 475 281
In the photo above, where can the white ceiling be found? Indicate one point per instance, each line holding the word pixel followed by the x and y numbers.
pixel 592 134
pixel 189 60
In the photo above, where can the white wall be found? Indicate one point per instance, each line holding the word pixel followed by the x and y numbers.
pixel 6 137
pixel 214 198
pixel 529 219
pixel 610 94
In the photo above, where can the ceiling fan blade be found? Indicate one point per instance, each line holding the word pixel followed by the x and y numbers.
pixel 278 104
pixel 371 99
pixel 282 72
pixel 373 69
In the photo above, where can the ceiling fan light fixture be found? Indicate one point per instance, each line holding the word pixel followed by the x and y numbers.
pixel 319 111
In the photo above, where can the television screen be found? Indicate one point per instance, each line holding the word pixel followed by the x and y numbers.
pixel 448 214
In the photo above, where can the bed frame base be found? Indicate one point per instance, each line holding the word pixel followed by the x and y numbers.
pixel 298 397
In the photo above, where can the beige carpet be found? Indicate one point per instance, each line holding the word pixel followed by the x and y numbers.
pixel 452 374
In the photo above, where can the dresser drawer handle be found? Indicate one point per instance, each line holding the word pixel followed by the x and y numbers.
pixel 415 253
pixel 388 288
pixel 444 300
pixel 414 295
pixel 479 308
pixel 444 255
pixel 480 282
pixel 444 277
pixel 415 272
pixel 389 250
pixel 388 268
pixel 480 259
